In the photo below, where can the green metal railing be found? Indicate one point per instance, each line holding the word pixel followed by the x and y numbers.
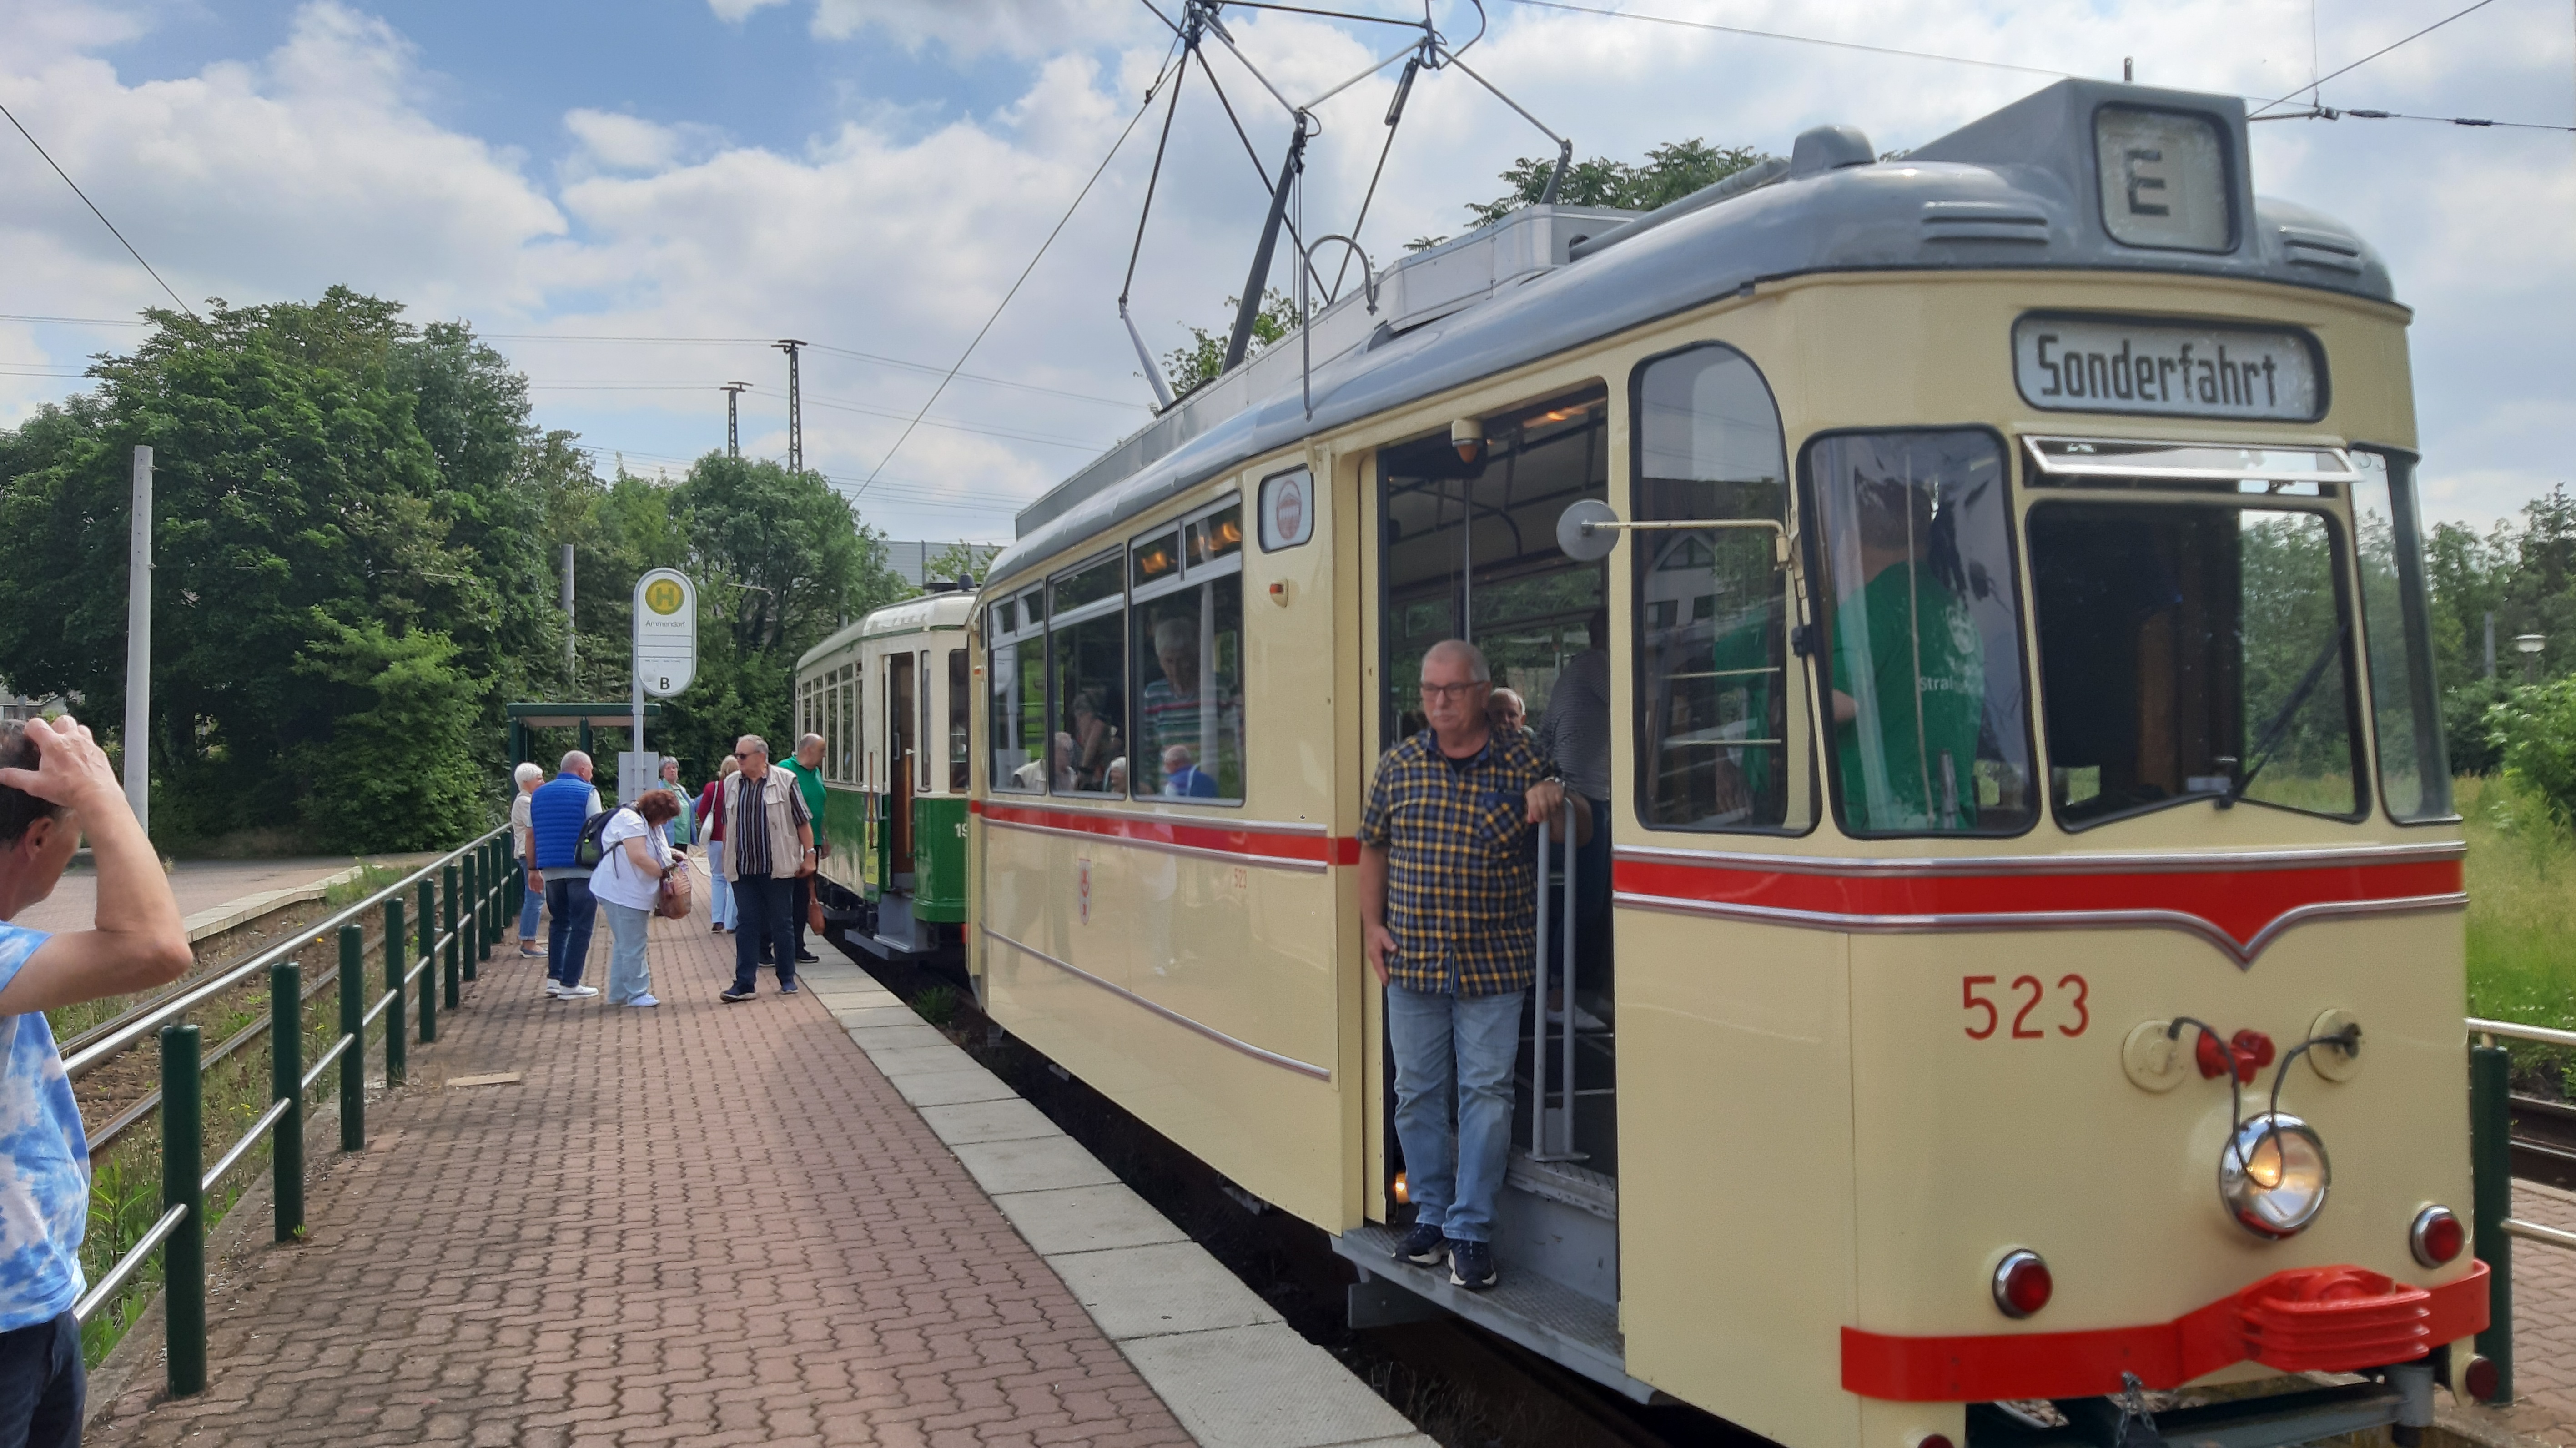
pixel 2493 1227
pixel 477 885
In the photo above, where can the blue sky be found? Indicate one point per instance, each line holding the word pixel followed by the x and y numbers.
pixel 872 174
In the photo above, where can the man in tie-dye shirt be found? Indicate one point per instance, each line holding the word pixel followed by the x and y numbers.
pixel 54 784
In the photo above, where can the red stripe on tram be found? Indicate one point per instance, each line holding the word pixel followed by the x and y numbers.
pixel 1159 830
pixel 2239 903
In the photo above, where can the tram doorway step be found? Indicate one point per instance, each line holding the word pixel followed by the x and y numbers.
pixel 1560 1221
pixel 1539 1313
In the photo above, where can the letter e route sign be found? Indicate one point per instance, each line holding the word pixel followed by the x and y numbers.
pixel 666 632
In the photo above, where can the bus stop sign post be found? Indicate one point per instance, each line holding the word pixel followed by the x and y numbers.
pixel 666 661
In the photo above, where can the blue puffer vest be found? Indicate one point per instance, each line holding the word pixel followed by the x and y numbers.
pixel 556 813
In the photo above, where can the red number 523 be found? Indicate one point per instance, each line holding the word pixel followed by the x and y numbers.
pixel 1974 999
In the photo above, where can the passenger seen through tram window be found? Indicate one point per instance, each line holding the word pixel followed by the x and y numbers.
pixel 1922 633
pixel 1188 648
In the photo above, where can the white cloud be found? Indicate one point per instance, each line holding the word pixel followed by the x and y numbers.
pixel 896 232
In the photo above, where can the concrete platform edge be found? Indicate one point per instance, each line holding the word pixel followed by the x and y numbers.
pixel 1161 1298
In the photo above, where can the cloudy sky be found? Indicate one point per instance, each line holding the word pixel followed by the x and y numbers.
pixel 632 198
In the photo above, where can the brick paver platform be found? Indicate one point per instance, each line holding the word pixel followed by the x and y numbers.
pixel 2544 1321
pixel 702 1224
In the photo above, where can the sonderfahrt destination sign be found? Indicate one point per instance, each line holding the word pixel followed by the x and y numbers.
pixel 2112 364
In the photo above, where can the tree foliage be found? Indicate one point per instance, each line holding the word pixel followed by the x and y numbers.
pixel 1669 173
pixel 2524 572
pixel 1199 363
pixel 357 533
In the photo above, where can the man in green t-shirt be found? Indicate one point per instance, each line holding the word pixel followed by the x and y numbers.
pixel 1909 673
pixel 805 766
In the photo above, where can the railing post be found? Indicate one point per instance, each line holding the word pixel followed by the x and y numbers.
pixel 472 948
pixel 448 914
pixel 183 1256
pixel 518 896
pixel 427 950
pixel 496 890
pixel 353 1022
pixel 2491 1173
pixel 397 942
pixel 286 1083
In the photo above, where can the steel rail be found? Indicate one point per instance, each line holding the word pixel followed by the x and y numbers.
pixel 127 1119
pixel 338 1049
pixel 133 1260
pixel 2534 1232
pixel 2544 1035
pixel 80 1063
pixel 242 1148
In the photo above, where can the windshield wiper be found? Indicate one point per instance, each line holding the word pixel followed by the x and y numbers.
pixel 2280 722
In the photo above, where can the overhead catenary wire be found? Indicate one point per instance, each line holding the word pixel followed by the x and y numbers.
pixel 94 211
pixel 2337 113
pixel 1025 272
pixel 1797 39
pixel 2365 60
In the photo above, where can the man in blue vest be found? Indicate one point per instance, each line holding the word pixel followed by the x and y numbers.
pixel 556 814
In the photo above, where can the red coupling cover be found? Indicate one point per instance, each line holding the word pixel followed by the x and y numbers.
pixel 2306 1319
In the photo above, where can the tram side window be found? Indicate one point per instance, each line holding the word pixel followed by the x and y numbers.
pixel 1087 650
pixel 2414 768
pixel 1018 723
pixel 1921 627
pixel 2192 651
pixel 1720 737
pixel 846 739
pixel 1188 637
pixel 960 699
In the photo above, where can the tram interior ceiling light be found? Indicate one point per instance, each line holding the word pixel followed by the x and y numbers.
pixel 2273 1175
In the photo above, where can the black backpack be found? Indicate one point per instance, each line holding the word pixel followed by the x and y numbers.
pixel 588 850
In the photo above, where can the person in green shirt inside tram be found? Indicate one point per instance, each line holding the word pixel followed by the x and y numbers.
pixel 1909 672
pixel 806 767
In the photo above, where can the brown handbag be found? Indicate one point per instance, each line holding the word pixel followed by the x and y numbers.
pixel 671 897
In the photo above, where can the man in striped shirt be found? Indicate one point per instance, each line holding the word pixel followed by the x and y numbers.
pixel 769 843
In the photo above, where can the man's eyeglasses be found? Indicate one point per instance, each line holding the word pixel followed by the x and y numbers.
pixel 1451 691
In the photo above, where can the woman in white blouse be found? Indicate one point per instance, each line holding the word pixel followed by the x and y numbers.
pixel 625 883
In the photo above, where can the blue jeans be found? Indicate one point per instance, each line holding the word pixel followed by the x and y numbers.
pixel 766 904
pixel 42 1385
pixel 629 974
pixel 1454 1049
pixel 569 902
pixel 720 894
pixel 531 902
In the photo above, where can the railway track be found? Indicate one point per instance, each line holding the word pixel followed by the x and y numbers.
pixel 2544 1141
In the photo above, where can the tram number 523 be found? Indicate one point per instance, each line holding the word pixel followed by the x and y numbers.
pixel 1978 995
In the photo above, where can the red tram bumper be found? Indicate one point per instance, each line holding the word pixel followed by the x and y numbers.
pixel 2307 1319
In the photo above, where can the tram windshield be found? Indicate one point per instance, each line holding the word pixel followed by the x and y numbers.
pixel 1921 629
pixel 2193 650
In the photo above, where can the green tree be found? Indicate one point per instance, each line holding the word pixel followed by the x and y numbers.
pixel 2533 733
pixel 1669 173
pixel 961 560
pixel 1198 364
pixel 297 497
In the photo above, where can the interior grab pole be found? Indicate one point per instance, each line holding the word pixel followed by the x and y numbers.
pixel 1538 1010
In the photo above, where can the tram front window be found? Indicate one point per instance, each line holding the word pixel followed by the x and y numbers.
pixel 2192 651
pixel 1922 632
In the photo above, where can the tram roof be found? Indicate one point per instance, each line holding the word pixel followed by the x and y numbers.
pixel 2013 190
pixel 947 609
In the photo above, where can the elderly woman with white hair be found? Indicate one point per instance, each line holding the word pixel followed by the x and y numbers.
pixel 523 844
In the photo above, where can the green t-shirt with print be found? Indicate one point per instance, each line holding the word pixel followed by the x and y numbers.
pixel 1913 662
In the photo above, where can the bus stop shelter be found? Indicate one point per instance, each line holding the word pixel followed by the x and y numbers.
pixel 584 718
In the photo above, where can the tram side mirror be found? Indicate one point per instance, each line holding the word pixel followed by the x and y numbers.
pixel 1579 534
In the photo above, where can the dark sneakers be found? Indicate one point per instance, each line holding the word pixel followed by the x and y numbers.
pixel 730 996
pixel 1423 1247
pixel 1471 1265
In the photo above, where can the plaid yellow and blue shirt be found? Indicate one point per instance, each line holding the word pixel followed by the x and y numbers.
pixel 1462 863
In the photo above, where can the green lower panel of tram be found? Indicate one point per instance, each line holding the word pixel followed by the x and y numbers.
pixel 937 865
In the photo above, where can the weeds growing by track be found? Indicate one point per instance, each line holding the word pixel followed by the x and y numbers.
pixel 2522 923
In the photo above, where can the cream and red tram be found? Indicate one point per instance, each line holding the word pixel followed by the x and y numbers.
pixel 2034 973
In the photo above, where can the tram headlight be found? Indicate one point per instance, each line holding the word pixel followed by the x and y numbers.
pixel 2273 1175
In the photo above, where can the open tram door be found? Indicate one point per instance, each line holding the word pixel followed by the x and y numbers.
pixel 901 685
pixel 1467 549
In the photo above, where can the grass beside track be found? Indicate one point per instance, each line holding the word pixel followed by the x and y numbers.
pixel 2522 924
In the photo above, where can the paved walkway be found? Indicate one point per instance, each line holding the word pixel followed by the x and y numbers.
pixel 703 1224
pixel 2544 1321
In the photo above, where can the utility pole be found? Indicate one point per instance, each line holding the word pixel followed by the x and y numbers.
pixel 2490 643
pixel 733 392
pixel 795 408
pixel 138 646
pixel 572 675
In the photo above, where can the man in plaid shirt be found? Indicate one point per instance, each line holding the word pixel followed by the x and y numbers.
pixel 1448 875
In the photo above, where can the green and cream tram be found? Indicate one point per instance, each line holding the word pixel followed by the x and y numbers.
pixel 890 696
